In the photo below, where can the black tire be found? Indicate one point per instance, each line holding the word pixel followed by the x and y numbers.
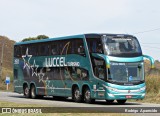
pixel 26 91
pixel 121 101
pixel 109 101
pixel 76 95
pixel 33 92
pixel 87 96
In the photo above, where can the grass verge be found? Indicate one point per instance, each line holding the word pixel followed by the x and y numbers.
pixel 149 98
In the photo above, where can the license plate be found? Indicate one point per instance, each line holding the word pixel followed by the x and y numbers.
pixel 128 96
pixel 100 94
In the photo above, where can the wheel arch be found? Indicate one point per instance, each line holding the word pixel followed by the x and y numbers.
pixel 85 86
pixel 26 84
pixel 74 86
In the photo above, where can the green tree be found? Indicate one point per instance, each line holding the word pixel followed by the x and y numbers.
pixel 35 38
pixel 42 37
pixel 28 39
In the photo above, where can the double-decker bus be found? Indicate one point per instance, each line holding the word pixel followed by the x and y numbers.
pixel 85 67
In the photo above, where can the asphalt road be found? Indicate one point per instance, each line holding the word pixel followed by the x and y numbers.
pixel 49 101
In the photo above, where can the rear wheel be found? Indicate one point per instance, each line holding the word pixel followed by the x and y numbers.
pixel 109 101
pixel 87 96
pixel 76 95
pixel 121 101
pixel 33 92
pixel 26 91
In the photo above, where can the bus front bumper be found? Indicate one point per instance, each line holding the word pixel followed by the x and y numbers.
pixel 125 92
pixel 110 96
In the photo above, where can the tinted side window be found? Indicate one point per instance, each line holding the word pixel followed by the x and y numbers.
pixel 43 49
pixel 17 51
pixel 53 73
pixel 99 68
pixel 54 49
pixel 94 45
pixel 72 47
pixel 69 46
pixel 33 49
pixel 23 49
pixel 65 47
pixel 75 73
pixel 78 47
pixel 15 74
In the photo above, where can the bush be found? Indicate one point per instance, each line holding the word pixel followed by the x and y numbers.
pixel 153 83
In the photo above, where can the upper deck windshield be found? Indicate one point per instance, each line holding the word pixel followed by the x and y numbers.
pixel 122 46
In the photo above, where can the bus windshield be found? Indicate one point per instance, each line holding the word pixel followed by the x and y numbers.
pixel 121 46
pixel 126 72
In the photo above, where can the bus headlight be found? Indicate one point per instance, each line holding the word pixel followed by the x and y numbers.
pixel 111 88
pixel 143 88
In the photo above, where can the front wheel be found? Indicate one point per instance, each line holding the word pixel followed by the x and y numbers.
pixel 121 101
pixel 33 92
pixel 87 96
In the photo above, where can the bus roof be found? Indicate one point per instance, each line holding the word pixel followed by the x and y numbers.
pixel 93 35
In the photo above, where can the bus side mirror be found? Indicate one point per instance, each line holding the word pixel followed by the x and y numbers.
pixel 151 60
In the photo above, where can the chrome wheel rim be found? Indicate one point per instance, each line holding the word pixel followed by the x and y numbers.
pixel 76 94
pixel 87 95
pixel 26 91
pixel 33 92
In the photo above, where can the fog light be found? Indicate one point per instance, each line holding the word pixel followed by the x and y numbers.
pixel 143 94
pixel 94 87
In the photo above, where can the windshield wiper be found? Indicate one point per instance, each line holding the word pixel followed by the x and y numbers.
pixel 136 80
